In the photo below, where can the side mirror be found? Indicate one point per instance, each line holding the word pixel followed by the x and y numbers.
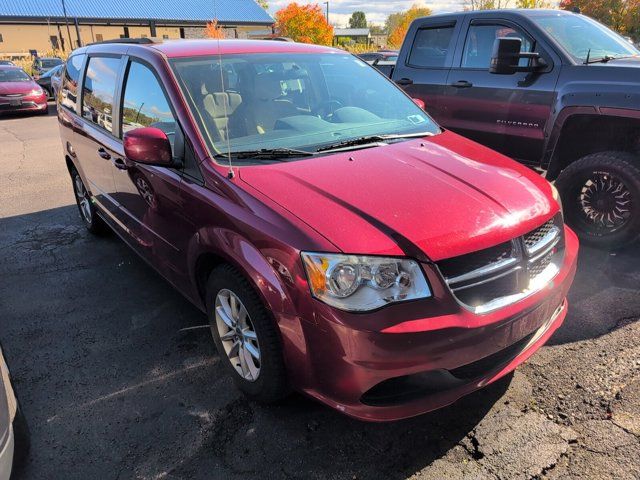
pixel 148 145
pixel 419 102
pixel 506 54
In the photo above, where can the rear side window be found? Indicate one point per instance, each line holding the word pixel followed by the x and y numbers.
pixel 145 104
pixel 98 91
pixel 479 44
pixel 431 46
pixel 69 90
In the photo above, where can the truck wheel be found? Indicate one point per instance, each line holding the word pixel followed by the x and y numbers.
pixel 601 198
pixel 88 212
pixel 245 335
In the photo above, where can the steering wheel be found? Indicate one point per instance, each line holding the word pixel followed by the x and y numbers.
pixel 326 109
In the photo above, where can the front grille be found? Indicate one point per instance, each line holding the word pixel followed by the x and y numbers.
pixel 499 275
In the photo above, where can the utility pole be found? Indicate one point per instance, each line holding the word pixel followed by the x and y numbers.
pixel 327 4
pixel 66 21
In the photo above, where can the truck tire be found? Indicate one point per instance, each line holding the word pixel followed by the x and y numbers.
pixel 601 197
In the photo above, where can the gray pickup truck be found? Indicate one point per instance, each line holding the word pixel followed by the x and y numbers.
pixel 552 89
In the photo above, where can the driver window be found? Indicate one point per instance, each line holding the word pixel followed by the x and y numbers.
pixel 479 44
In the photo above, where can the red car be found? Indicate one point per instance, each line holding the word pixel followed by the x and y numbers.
pixel 20 92
pixel 341 243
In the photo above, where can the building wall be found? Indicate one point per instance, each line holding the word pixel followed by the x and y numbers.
pixel 19 39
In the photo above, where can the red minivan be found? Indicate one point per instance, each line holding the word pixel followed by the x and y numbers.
pixel 341 243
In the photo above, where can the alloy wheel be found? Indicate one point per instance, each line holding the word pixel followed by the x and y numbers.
pixel 237 334
pixel 605 202
pixel 82 197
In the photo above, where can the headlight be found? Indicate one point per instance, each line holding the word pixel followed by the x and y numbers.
pixel 556 195
pixel 36 92
pixel 358 283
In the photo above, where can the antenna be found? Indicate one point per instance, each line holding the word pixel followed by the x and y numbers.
pixel 230 175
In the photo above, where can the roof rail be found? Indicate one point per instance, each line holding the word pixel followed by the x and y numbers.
pixel 136 41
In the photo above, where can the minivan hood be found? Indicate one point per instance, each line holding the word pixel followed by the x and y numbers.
pixel 441 196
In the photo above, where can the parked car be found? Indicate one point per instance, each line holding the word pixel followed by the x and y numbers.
pixel 6 62
pixel 50 79
pixel 19 92
pixel 552 89
pixel 340 242
pixel 14 432
pixel 373 58
pixel 42 64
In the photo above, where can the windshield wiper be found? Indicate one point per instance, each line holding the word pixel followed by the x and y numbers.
pixel 605 59
pixel 267 154
pixel 371 139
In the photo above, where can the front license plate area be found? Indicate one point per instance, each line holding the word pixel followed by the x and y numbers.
pixel 15 103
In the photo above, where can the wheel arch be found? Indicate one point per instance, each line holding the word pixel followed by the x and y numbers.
pixel 212 248
pixel 585 131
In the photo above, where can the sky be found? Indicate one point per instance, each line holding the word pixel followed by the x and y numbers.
pixel 375 10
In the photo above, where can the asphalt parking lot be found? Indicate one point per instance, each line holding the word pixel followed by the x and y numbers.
pixel 116 383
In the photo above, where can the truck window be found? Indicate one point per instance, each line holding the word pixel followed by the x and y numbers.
pixel 479 44
pixel 431 46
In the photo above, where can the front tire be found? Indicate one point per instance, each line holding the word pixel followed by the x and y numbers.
pixel 87 210
pixel 245 335
pixel 601 198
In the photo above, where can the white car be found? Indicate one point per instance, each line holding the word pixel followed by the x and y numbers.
pixel 14 434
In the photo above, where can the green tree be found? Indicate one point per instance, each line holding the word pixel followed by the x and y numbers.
pixel 486 4
pixel 358 20
pixel 392 21
pixel 396 36
pixel 376 29
pixel 263 3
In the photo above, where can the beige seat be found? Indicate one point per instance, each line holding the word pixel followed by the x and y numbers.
pixel 219 103
pixel 269 106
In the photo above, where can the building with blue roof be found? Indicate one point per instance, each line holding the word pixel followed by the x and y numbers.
pixel 45 25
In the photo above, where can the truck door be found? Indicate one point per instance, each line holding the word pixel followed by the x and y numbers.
pixel 424 62
pixel 505 112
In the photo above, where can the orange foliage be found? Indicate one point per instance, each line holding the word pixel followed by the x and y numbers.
pixel 396 37
pixel 304 23
pixel 212 30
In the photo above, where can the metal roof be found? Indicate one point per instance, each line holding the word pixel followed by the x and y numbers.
pixel 350 32
pixel 225 11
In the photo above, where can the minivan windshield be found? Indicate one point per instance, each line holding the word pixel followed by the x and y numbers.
pixel 582 37
pixel 306 102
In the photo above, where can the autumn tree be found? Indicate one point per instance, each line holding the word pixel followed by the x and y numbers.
pixel 213 30
pixel 621 15
pixel 358 20
pixel 486 4
pixel 304 23
pixel 396 36
pixel 533 4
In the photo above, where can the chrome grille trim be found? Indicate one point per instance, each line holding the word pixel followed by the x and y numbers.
pixel 513 270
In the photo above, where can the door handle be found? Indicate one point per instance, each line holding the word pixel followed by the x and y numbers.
pixel 120 164
pixel 104 154
pixel 405 81
pixel 462 84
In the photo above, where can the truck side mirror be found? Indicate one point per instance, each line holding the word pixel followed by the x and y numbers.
pixel 506 54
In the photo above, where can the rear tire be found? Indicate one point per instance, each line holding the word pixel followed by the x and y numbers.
pixel 269 383
pixel 87 209
pixel 601 198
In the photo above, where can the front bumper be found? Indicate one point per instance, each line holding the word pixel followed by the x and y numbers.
pixel 382 376
pixel 24 104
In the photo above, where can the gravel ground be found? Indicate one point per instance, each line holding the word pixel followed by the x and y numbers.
pixel 115 384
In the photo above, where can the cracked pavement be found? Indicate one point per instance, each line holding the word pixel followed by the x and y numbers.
pixel 116 383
